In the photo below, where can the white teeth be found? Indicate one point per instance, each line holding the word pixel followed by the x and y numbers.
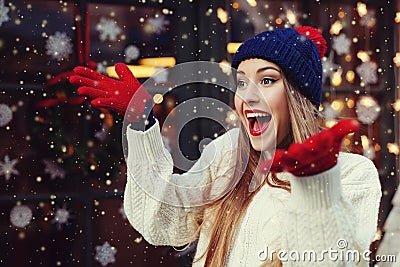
pixel 254 115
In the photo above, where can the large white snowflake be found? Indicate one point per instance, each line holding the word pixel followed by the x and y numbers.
pixel 368 72
pixel 53 169
pixel 20 216
pixel 59 46
pixel 3 13
pixel 108 29
pixel 7 167
pixel 132 52
pixel 367 109
pixel 156 25
pixel 105 254
pixel 341 44
pixel 61 217
pixel 5 115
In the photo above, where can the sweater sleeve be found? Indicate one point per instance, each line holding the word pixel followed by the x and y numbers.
pixel 160 205
pixel 330 221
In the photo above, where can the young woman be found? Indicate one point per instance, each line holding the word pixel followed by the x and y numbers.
pixel 316 205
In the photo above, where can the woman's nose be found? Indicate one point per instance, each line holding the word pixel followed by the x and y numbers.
pixel 251 94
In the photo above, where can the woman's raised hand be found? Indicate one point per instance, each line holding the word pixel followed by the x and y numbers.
pixel 112 94
pixel 316 154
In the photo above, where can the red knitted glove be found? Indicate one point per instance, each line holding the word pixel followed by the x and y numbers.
pixel 111 93
pixel 317 154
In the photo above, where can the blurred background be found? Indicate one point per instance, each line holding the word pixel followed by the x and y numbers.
pixel 62 169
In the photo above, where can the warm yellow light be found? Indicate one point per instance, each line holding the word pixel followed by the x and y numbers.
pixel 396 59
pixel 393 148
pixel 347 58
pixel 222 15
pixel 252 2
pixel 232 47
pixel 336 27
pixel 350 103
pixel 231 117
pixel 158 98
pixel 396 105
pixel 235 5
pixel 337 78
pixel 363 56
pixel 397 18
pixel 337 105
pixel 377 147
pixel 364 142
pixel 139 71
pixel 330 123
pixel 278 21
pixel 341 14
pixel 350 75
pixel 158 61
pixel 362 9
pixel 291 17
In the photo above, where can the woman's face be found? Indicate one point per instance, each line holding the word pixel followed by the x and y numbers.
pixel 260 101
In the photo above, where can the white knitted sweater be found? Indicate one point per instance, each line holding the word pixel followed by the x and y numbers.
pixel 323 213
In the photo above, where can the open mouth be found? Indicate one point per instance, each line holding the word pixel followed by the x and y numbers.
pixel 258 121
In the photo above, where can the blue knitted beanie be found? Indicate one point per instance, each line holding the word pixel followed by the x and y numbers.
pixel 297 52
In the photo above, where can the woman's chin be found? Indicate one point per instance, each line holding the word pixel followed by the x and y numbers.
pixel 261 143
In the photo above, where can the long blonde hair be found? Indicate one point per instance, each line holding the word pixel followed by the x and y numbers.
pixel 231 208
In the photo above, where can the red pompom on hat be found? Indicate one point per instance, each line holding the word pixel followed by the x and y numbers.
pixel 315 36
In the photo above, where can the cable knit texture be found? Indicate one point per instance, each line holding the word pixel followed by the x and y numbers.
pixel 339 204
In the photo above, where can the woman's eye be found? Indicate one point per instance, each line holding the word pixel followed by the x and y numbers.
pixel 267 81
pixel 241 83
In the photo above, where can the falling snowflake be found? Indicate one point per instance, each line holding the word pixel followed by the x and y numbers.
pixel 132 52
pixel 367 72
pixel 61 217
pixel 161 76
pixel 53 169
pixel 328 68
pixel 369 20
pixel 20 216
pixel 108 29
pixel 59 46
pixel 367 109
pixel 7 167
pixel 3 13
pixel 341 44
pixel 105 254
pixel 156 25
pixel 5 115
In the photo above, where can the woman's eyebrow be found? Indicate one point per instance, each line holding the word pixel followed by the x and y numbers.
pixel 267 68
pixel 240 72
